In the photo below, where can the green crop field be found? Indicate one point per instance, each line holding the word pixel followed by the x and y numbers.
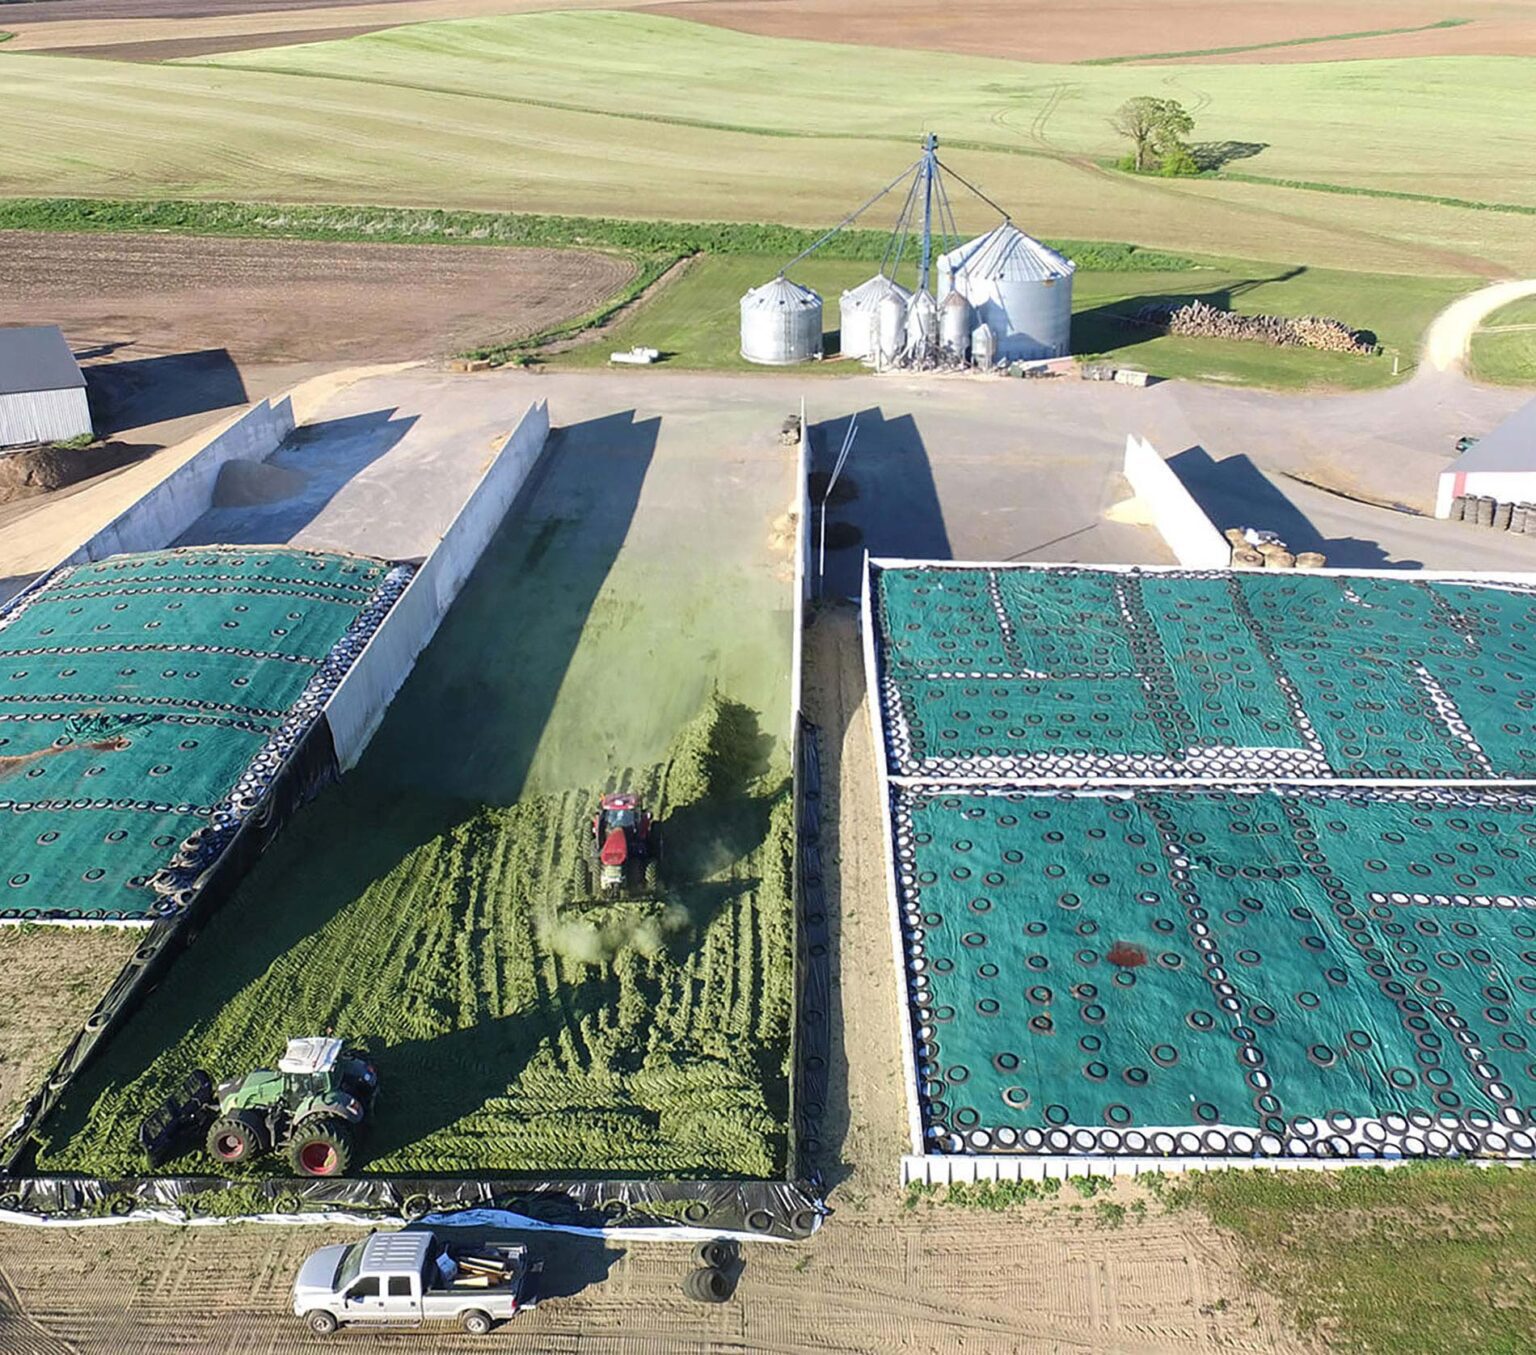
pixel 693 320
pixel 1419 1260
pixel 1504 348
pixel 628 114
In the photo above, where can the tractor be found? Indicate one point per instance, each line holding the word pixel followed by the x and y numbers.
pixel 626 843
pixel 311 1107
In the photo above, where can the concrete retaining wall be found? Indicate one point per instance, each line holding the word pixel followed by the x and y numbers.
pixel 358 704
pixel 1191 536
pixel 173 505
pixel 802 512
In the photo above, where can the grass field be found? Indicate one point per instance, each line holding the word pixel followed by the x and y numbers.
pixel 635 115
pixel 694 319
pixel 1504 349
pixel 431 905
pixel 1416 1261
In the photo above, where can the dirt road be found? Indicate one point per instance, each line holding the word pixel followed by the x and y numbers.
pixel 1449 339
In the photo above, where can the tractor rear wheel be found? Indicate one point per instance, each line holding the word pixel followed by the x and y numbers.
pixel 236 1138
pixel 321 1148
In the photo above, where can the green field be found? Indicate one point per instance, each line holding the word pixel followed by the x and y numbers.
pixel 1504 348
pixel 649 117
pixel 694 321
pixel 1419 1260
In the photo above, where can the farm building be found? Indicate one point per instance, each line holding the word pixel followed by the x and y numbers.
pixel 1501 466
pixel 1206 866
pixel 42 390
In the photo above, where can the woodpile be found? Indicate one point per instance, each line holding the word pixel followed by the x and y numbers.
pixel 1199 320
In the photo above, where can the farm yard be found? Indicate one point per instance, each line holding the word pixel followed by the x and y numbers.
pixel 433 904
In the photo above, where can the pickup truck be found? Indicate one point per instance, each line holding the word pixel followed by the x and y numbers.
pixel 407 1279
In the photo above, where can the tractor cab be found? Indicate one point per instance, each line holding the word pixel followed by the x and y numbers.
pixel 626 842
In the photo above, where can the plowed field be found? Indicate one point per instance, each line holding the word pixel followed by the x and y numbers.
pixel 292 300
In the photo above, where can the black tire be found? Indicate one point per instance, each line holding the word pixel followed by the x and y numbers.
pixel 321 1322
pixel 476 1322
pixel 236 1138
pixel 715 1254
pixel 321 1148
pixel 707 1286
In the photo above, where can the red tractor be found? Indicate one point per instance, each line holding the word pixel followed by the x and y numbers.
pixel 627 844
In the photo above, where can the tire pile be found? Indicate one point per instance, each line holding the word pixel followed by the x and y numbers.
pixel 1200 320
pixel 1483 510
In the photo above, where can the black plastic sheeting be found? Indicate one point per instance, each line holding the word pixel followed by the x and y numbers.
pixel 813 962
pixel 770 1209
pixel 309 767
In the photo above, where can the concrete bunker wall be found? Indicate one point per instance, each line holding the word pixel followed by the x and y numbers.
pixel 1190 535
pixel 167 510
pixel 358 704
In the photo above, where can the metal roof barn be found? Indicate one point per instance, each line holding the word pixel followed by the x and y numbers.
pixel 1501 466
pixel 42 390
pixel 1019 287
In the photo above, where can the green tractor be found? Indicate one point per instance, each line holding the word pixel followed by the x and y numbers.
pixel 312 1107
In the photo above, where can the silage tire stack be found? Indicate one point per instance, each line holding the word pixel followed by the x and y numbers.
pixel 707 1286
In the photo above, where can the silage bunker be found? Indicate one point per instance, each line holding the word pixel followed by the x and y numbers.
pixel 429 904
pixel 1208 867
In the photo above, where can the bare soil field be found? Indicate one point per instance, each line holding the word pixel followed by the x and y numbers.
pixel 50 980
pixel 292 301
pixel 1067 30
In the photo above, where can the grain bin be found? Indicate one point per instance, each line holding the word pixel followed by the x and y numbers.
pixel 983 348
pixel 859 314
pixel 922 326
pixel 955 320
pixel 892 326
pixel 1017 286
pixel 780 323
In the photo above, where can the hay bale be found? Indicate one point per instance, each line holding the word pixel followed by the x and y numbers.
pixel 1310 559
pixel 1247 558
pixel 1280 559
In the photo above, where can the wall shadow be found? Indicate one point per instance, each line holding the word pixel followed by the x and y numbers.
pixel 1112 326
pixel 271 501
pixel 1234 492
pixel 468 720
pixel 885 501
pixel 141 391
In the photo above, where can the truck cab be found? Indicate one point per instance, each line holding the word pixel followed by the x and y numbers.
pixel 407 1279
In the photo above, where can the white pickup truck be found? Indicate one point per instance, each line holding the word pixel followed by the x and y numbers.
pixel 407 1279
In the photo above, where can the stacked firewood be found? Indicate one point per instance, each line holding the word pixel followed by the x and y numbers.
pixel 1198 319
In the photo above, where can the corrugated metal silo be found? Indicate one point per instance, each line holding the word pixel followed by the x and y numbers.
pixel 859 315
pixel 983 348
pixel 922 325
pixel 955 320
pixel 780 323
pixel 892 326
pixel 1019 287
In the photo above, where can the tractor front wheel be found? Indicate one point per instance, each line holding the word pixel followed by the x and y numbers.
pixel 321 1148
pixel 236 1138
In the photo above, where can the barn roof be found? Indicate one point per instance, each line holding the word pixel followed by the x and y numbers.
pixel 1511 446
pixel 37 358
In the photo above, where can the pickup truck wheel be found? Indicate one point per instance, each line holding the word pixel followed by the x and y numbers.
pixel 320 1322
pixel 475 1322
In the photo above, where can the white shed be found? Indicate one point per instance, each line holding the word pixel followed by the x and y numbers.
pixel 1501 466
pixel 42 390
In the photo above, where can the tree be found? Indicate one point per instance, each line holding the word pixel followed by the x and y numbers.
pixel 1156 129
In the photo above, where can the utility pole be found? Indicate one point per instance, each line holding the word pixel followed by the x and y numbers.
pixel 930 167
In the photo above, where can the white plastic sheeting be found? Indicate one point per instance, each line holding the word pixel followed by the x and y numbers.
pixel 1191 536
pixel 167 510
pixel 359 702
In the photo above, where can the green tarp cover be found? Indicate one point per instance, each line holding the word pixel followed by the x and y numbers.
pixel 1320 949
pixel 1079 673
pixel 134 694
